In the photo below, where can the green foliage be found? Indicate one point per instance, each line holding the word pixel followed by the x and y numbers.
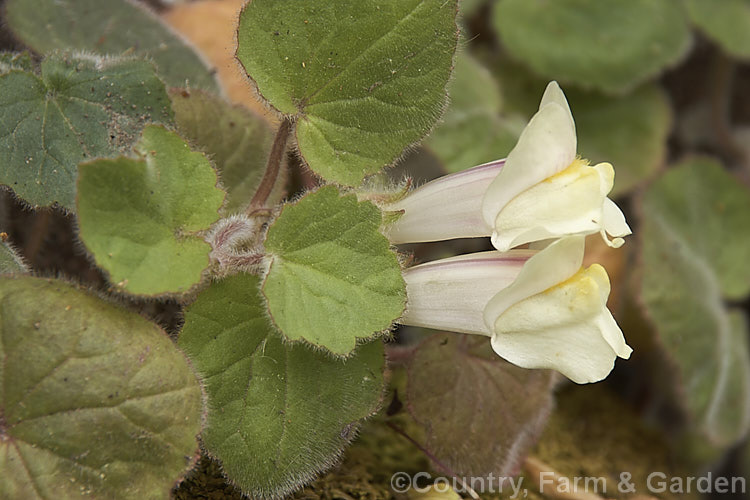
pixel 695 242
pixel 726 22
pixel 279 413
pixel 94 401
pixel 472 130
pixel 141 218
pixel 611 46
pixel 15 60
pixel 333 278
pixel 10 261
pixel 362 80
pixel 501 408
pixel 111 27
pixel 630 132
pixel 79 108
pixel 237 141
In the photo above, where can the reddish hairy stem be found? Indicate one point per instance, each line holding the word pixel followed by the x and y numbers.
pixel 273 167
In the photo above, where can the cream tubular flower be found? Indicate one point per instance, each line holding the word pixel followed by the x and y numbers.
pixel 540 309
pixel 541 191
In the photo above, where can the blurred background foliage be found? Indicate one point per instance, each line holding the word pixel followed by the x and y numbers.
pixel 660 89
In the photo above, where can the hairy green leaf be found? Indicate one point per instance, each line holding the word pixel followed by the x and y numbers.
pixel 111 27
pixel 695 243
pixel 333 278
pixel 611 46
pixel 726 22
pixel 362 80
pixel 236 139
pixel 95 401
pixel 481 413
pixel 472 130
pixel 15 60
pixel 141 218
pixel 10 260
pixel 78 109
pixel 279 413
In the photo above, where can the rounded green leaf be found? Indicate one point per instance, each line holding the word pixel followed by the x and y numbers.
pixel 727 22
pixel 472 130
pixel 362 80
pixel 695 245
pixel 95 401
pixel 237 140
pixel 279 413
pixel 333 278
pixel 111 27
pixel 78 109
pixel 141 218
pixel 609 45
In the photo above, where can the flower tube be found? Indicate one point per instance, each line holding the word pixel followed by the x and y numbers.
pixel 541 191
pixel 540 309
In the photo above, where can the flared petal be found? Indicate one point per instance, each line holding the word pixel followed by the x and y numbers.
pixel 566 328
pixel 614 224
pixel 447 208
pixel 567 203
pixel 555 264
pixel 451 294
pixel 547 145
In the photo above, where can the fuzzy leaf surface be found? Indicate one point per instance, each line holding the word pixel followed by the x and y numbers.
pixel 456 381
pixel 91 397
pixel 111 27
pixel 726 22
pixel 472 130
pixel 610 46
pixel 76 110
pixel 237 141
pixel 141 218
pixel 279 413
pixel 363 80
pixel 15 60
pixel 10 261
pixel 695 242
pixel 333 278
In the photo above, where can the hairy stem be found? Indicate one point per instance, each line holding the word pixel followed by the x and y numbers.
pixel 273 167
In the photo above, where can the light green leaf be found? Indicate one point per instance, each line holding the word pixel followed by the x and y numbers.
pixel 111 27
pixel 333 278
pixel 363 80
pixel 457 381
pixel 78 109
pixel 279 413
pixel 695 242
pixel 141 218
pixel 611 46
pixel 630 132
pixel 726 22
pixel 472 130
pixel 705 209
pixel 236 139
pixel 95 401
pixel 10 260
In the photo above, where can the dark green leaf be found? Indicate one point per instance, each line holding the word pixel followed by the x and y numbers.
pixel 279 413
pixel 95 401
